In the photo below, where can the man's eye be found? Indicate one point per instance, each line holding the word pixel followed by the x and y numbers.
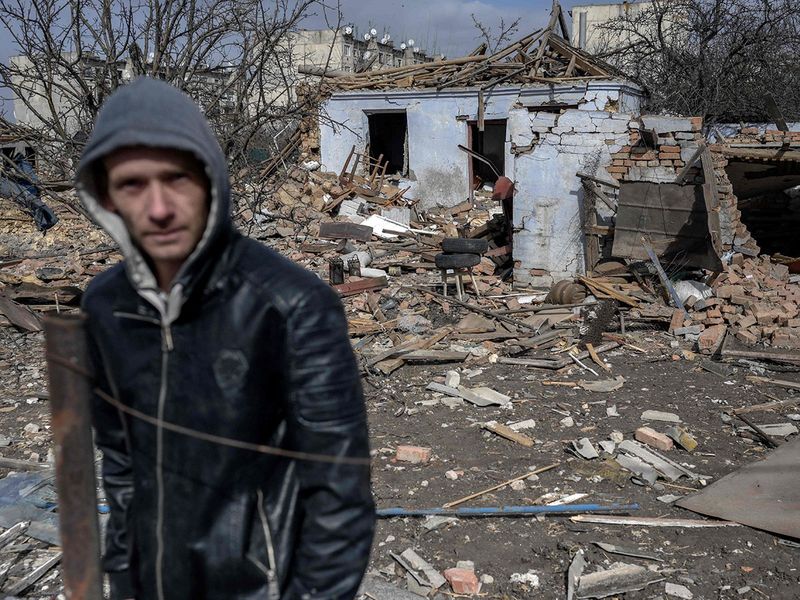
pixel 175 177
pixel 129 184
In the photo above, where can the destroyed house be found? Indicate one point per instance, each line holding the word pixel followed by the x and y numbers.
pixel 539 110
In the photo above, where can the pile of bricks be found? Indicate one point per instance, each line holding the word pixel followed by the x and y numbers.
pixel 755 300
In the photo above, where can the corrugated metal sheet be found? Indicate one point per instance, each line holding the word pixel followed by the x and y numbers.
pixel 671 218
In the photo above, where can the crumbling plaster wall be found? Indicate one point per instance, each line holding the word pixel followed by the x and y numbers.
pixel 437 124
pixel 548 202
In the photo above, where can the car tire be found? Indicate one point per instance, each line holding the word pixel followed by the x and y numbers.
pixel 456 261
pixel 464 246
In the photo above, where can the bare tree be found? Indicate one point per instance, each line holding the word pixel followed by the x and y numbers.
pixel 232 56
pixel 717 58
pixel 496 38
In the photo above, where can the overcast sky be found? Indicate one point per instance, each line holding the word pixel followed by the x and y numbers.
pixel 443 26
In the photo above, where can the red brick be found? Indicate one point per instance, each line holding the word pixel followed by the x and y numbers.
pixel 714 321
pixel 463 581
pixel 653 438
pixel 726 291
pixel 740 300
pixel 746 337
pixel 413 454
pixel 714 313
pixel 711 338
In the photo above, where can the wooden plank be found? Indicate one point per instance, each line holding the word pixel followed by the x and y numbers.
pixel 650 522
pixel 19 464
pixel 690 163
pixel 356 287
pixel 592 255
pixel 391 365
pixel 792 385
pixel 417 344
pixel 499 485
pixel 20 316
pixel 590 349
pixel 480 310
pixel 790 357
pixel 333 230
pixel 12 533
pixel 435 356
pixel 608 290
pixel 613 184
pixel 508 433
pixel 23 584
pixel 775 112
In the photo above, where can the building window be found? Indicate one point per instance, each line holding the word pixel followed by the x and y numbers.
pixel 348 50
pixel 388 140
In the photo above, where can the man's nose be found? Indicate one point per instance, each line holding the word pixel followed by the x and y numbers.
pixel 159 205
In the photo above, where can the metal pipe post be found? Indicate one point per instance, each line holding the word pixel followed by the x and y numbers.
pixel 70 398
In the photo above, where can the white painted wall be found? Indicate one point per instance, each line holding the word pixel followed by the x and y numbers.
pixel 547 203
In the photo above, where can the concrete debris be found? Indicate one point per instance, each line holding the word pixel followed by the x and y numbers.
pixel 531 578
pixel 585 449
pixel 657 415
pixel 674 590
pixel 617 579
pixel 604 385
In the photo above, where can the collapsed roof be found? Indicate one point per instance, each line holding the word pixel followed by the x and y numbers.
pixel 540 57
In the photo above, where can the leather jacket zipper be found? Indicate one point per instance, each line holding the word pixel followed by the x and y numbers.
pixel 273 590
pixel 166 347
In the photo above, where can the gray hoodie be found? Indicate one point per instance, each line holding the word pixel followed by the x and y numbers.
pixel 134 116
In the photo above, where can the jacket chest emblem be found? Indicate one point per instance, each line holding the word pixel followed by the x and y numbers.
pixel 230 371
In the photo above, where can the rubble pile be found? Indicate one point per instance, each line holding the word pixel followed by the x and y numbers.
pixel 758 299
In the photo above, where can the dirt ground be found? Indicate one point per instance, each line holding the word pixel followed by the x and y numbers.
pixel 720 562
pixel 712 563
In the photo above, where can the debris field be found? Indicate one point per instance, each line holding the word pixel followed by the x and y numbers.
pixel 526 443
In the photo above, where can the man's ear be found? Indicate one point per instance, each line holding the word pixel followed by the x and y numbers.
pixel 105 201
pixel 101 186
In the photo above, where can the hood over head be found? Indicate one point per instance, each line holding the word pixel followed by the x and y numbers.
pixel 151 113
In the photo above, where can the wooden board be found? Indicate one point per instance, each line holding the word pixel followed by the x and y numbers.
pixel 337 231
pixel 672 218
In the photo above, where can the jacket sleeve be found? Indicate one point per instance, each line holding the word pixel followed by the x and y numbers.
pixel 111 439
pixel 327 416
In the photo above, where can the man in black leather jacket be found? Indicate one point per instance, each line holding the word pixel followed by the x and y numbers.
pixel 205 336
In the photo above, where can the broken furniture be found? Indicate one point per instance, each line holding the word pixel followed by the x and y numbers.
pixel 371 167
pixel 459 256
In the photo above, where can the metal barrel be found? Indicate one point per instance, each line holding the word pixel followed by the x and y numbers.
pixel 70 407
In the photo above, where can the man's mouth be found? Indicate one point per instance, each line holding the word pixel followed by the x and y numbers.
pixel 166 235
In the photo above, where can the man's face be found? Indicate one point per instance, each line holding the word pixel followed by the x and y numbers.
pixel 162 196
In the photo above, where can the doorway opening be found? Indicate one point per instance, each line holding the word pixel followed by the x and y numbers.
pixel 388 141
pixel 490 143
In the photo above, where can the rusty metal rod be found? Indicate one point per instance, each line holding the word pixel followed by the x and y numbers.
pixel 70 398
